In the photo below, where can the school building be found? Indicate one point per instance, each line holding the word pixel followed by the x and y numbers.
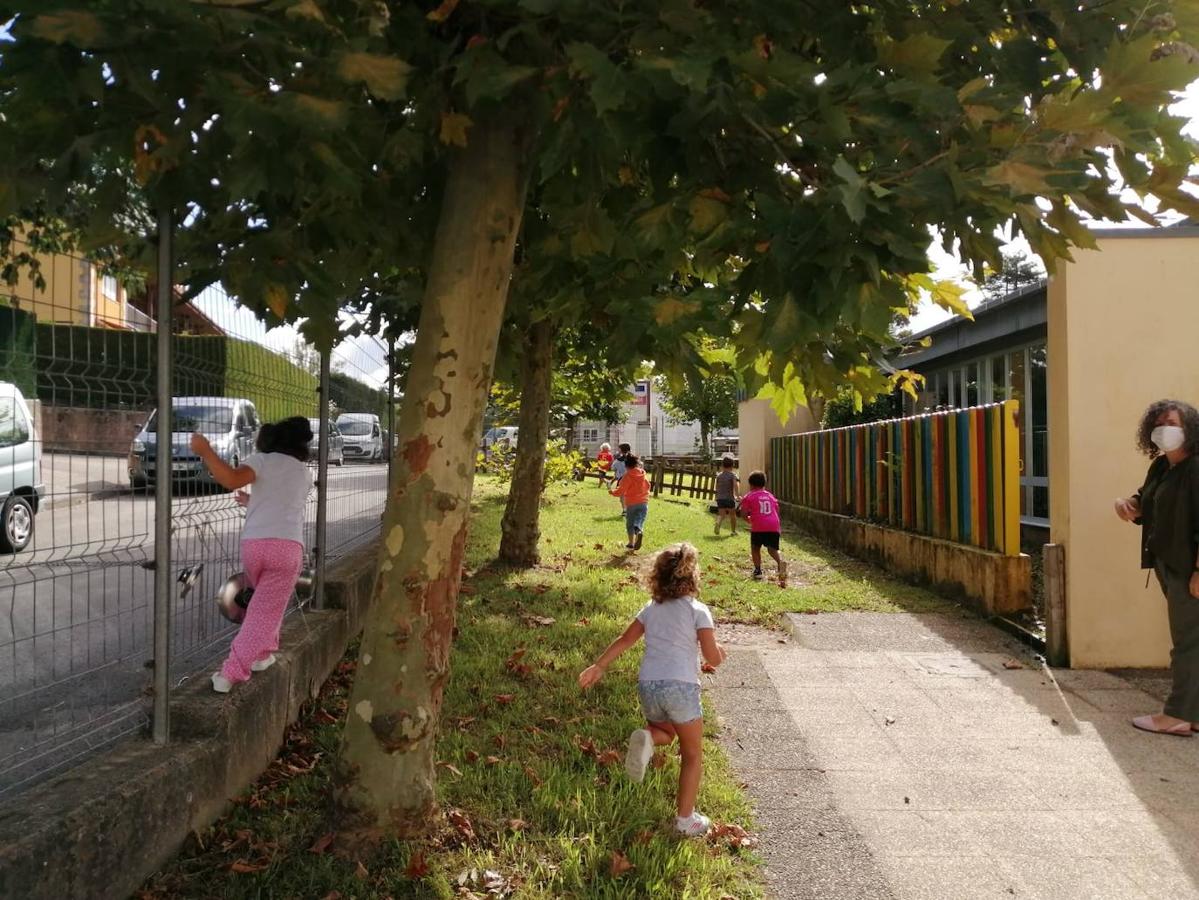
pixel 1084 354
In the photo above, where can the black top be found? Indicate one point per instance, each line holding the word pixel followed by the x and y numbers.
pixel 1170 515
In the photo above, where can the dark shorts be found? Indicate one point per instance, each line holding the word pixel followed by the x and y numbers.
pixel 726 504
pixel 764 539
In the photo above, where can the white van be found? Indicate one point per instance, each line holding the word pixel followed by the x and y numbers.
pixel 503 437
pixel 21 485
pixel 362 436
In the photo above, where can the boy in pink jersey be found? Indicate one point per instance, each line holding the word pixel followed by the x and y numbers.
pixel 761 508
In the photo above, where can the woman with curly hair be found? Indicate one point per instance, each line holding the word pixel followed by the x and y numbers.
pixel 677 628
pixel 1167 509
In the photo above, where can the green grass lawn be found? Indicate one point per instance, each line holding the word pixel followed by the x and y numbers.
pixel 530 769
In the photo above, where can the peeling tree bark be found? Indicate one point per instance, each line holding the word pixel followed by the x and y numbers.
pixel 387 758
pixel 522 516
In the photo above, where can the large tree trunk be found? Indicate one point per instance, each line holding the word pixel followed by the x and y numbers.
pixel 705 439
pixel 522 517
pixel 388 745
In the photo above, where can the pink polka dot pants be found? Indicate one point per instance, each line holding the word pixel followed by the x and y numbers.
pixel 272 566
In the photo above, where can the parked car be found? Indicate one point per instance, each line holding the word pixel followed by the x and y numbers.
pixel 337 456
pixel 230 423
pixel 21 485
pixel 503 437
pixel 362 435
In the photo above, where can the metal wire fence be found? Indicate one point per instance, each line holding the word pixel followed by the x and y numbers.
pixel 78 432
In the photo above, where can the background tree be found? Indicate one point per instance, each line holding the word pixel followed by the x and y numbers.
pixel 313 146
pixel 1019 270
pixel 844 408
pixel 707 397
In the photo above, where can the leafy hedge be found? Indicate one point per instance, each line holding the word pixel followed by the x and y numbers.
pixel 99 368
pixel 18 349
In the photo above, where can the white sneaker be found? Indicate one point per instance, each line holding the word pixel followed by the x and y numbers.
pixel 641 751
pixel 263 664
pixel 694 825
pixel 221 684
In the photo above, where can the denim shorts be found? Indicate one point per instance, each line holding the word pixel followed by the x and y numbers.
pixel 634 517
pixel 676 702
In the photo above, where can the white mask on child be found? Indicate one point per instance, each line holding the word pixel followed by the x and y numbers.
pixel 1167 438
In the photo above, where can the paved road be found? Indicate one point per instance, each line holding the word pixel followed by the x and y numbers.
pixel 76 608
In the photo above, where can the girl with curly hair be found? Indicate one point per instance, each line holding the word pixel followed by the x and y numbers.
pixel 1167 509
pixel 675 626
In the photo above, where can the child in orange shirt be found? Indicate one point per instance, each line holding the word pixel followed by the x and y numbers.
pixel 633 490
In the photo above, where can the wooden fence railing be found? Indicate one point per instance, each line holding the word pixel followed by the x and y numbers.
pixel 953 475
pixel 697 480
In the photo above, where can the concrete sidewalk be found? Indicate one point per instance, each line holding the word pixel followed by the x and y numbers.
pixel 931 756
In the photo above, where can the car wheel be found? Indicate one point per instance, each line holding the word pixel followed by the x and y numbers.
pixel 16 525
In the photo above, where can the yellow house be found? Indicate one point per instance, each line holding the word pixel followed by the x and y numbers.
pixel 76 293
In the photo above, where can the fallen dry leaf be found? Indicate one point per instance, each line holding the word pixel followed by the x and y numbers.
pixel 504 699
pixel 1012 664
pixel 658 761
pixel 417 867
pixel 734 836
pixel 471 756
pixel 583 622
pixel 321 844
pixel 460 821
pixel 360 872
pixel 492 760
pixel 608 757
pixel 244 868
pixel 514 657
pixel 543 621
pixel 517 824
pixel 450 767
pixel 532 776
pixel 619 864
pixel 644 836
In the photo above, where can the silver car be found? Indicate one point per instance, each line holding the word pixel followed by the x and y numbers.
pixel 21 485
pixel 337 456
pixel 230 423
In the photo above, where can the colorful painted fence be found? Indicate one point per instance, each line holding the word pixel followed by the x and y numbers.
pixel 953 475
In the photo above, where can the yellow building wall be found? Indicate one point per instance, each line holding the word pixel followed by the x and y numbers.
pixel 1122 327
pixel 72 292
pixel 757 423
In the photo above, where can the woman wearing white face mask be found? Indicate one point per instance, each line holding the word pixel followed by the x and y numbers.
pixel 1167 509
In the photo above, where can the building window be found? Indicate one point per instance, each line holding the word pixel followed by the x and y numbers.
pixel 590 435
pixel 108 287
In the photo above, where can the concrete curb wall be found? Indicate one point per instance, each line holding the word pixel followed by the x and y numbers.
pixel 991 583
pixel 99 830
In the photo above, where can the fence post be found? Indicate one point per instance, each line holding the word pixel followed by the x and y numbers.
pixel 161 726
pixel 1057 651
pixel 391 407
pixel 322 486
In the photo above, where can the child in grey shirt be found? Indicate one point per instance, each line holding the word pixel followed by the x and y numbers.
pixel 676 627
pixel 726 495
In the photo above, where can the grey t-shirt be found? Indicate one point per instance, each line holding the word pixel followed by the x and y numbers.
pixel 671 642
pixel 278 495
pixel 726 485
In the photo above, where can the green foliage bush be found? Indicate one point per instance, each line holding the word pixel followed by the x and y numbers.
pixel 18 349
pixel 102 368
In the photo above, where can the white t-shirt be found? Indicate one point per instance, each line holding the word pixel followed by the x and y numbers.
pixel 671 642
pixel 278 495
